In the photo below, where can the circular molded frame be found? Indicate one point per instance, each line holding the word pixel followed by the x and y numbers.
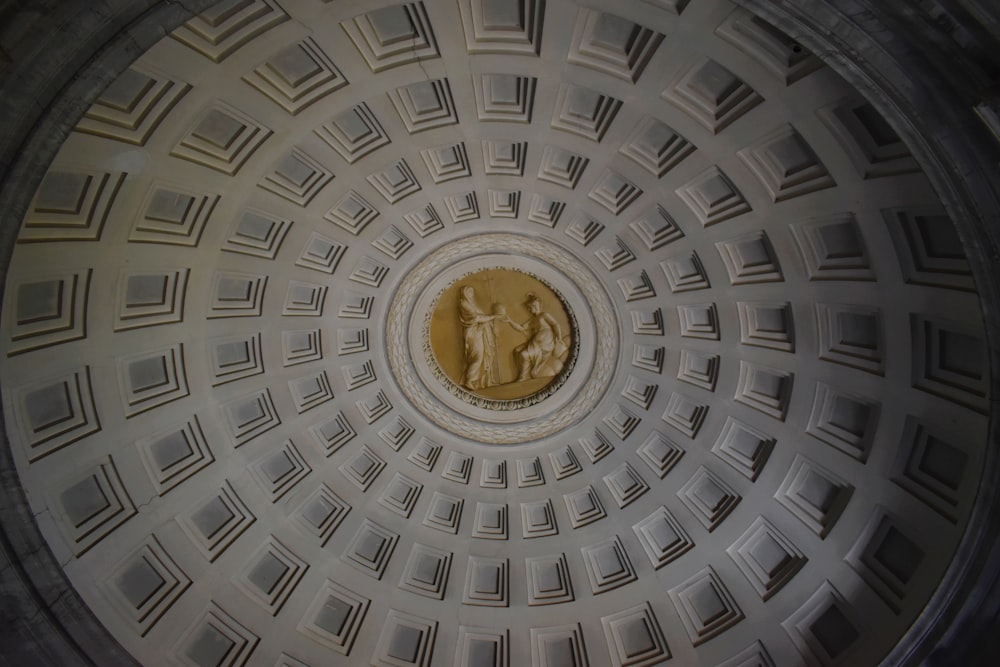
pixel 575 394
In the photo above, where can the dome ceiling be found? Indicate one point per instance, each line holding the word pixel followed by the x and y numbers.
pixel 238 354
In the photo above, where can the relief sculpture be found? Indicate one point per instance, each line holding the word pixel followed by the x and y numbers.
pixel 480 342
pixel 545 351
pixel 506 336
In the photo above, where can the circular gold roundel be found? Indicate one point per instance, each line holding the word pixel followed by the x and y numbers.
pixel 501 334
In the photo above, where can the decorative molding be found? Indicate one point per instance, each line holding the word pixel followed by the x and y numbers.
pixel 844 420
pixel 745 448
pixel 333 433
pixel 584 507
pixel 825 628
pixel 558 646
pixel 708 497
pixel 705 606
pixel 614 192
pixel 490 521
pixel 486 582
pixel 334 617
pixel 504 97
pixel 503 158
pixel 612 45
pixel 297 76
pixel 175 454
pixel 393 36
pixel 493 474
pixel 321 513
pixel 425 454
pixel 354 133
pixel 698 368
pixel 656 228
pixel 851 335
pixel 400 495
pixel 370 548
pixel 45 310
pixel 90 504
pixel 394 182
pixel 786 165
pixel 767 45
pixel 660 453
pixel 424 105
pixel 148 380
pixel 257 234
pixel 213 525
pixel 712 197
pixel 766 557
pixel 235 358
pixel 685 273
pixel 685 414
pixel 548 580
pixel 363 467
pixel 634 637
pixel 750 258
pixel 270 576
pixel 887 557
pixel 71 205
pixel 608 565
pixel 869 141
pixel 767 324
pixel 133 106
pixel 444 512
pixel 699 320
pixel 483 647
pixel 214 627
pixel 949 360
pixel 406 639
pixel 928 248
pixel 584 112
pixel 219 31
pixel 280 470
pixel 448 162
pixel 145 585
pixel 564 462
pixel 235 294
pixel 493 26
pixel 561 166
pixel 296 177
pixel 538 519
pixel 814 494
pixel 172 215
pixel 426 572
pixel 250 416
pixel 711 94
pixel 662 537
pixel 833 248
pixel 933 466
pixel 222 138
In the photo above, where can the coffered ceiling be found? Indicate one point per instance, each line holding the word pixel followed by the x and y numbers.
pixel 767 449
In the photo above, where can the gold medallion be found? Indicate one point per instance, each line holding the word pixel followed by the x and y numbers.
pixel 501 334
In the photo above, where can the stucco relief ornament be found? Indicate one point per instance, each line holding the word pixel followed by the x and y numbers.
pixel 502 338
pixel 518 346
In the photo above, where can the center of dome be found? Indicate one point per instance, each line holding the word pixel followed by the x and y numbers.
pixel 495 337
pixel 502 334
